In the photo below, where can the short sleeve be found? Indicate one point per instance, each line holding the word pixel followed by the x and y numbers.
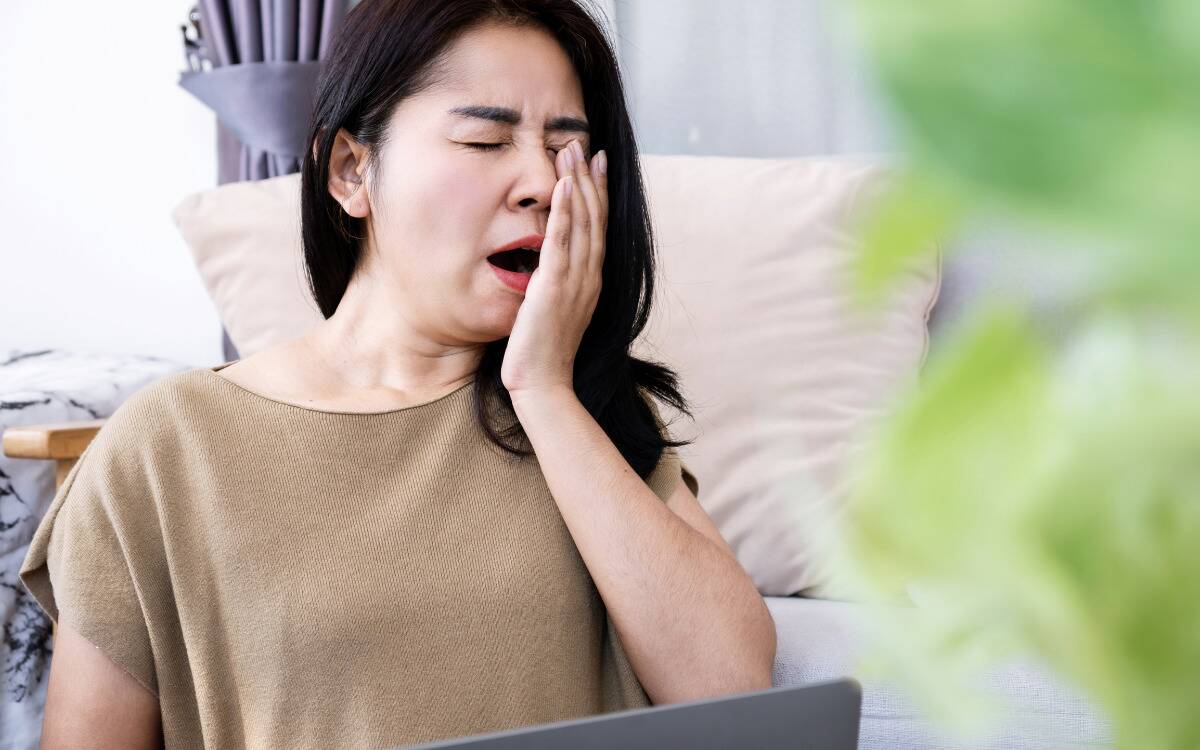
pixel 80 564
pixel 665 476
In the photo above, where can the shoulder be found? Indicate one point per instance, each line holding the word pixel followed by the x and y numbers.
pixel 153 409
pixel 112 497
pixel 148 428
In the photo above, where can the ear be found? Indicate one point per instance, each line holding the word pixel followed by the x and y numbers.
pixel 347 166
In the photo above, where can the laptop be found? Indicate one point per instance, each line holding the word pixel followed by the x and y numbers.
pixel 818 716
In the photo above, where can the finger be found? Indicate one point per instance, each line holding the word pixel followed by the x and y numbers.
pixel 592 257
pixel 562 162
pixel 553 258
pixel 600 177
pixel 599 174
pixel 581 221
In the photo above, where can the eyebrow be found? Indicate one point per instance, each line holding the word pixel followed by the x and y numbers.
pixel 512 117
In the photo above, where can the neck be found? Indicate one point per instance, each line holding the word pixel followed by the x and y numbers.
pixel 373 340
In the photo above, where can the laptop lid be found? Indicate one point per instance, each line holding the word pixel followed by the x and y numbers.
pixel 820 716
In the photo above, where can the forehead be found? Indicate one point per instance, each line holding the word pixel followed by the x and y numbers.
pixel 510 75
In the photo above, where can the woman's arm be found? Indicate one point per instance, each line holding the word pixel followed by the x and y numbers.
pixel 690 619
pixel 92 702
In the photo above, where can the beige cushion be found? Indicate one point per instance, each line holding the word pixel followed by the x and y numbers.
pixel 783 374
pixel 245 239
pixel 752 309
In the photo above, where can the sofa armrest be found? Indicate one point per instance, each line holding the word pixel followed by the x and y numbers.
pixel 821 639
pixel 63 442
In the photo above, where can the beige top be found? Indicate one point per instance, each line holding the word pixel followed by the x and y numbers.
pixel 285 577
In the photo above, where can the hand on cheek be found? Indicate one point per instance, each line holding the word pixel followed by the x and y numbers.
pixel 563 291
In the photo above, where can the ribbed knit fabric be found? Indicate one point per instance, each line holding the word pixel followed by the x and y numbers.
pixel 285 577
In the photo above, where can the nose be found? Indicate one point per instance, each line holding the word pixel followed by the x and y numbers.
pixel 539 174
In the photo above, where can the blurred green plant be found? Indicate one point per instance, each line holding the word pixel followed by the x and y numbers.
pixel 1041 497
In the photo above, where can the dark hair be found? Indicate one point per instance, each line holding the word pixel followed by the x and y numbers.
pixel 388 50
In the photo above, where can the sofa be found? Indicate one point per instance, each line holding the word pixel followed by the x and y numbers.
pixel 780 351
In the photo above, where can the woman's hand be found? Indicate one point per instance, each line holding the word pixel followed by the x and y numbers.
pixel 564 288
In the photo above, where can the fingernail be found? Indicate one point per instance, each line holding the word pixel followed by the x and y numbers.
pixel 579 151
pixel 602 162
pixel 569 159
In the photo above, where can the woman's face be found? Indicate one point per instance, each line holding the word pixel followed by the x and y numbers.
pixel 440 207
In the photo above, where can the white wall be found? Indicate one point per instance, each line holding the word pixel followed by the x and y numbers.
pixel 98 144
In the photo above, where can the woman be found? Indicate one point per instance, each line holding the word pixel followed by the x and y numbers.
pixel 451 508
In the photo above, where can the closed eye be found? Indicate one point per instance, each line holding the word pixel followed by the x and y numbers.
pixel 496 146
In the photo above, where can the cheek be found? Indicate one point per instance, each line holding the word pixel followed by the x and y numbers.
pixel 461 210
pixel 444 211
pixel 450 202
pixel 462 202
pixel 438 217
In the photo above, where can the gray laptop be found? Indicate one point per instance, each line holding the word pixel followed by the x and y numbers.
pixel 820 716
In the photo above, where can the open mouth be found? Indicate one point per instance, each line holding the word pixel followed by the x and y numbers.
pixel 521 260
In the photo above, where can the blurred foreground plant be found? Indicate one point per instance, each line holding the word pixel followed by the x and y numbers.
pixel 1041 497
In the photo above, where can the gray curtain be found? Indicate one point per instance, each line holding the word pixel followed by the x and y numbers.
pixel 260 60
